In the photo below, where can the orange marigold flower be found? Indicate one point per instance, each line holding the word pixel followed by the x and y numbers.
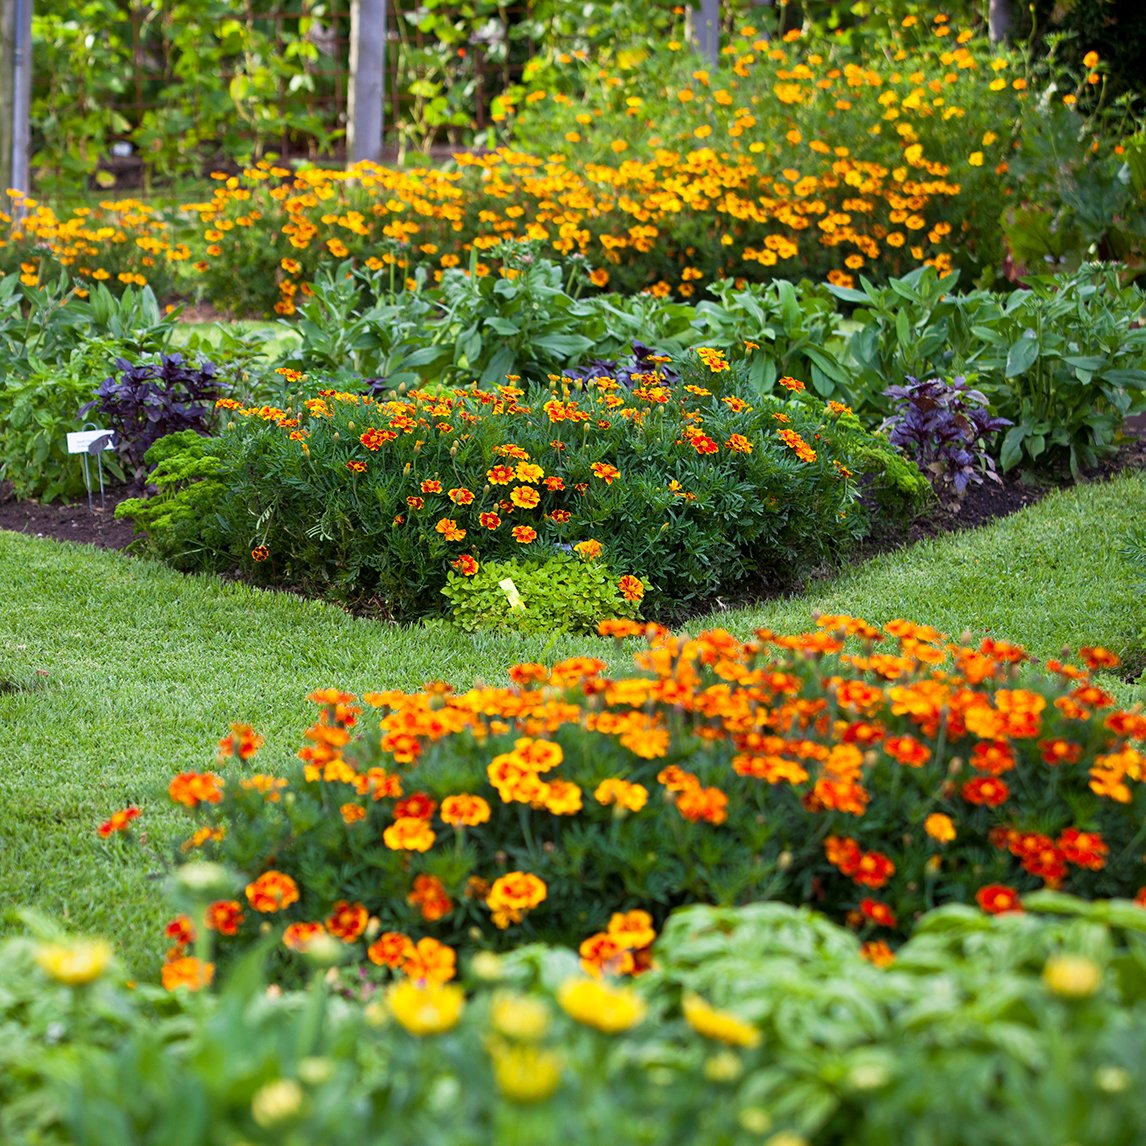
pixel 467 564
pixel 562 798
pixel 429 896
pixel 430 961
pixel 878 953
pixel 189 972
pixel 523 534
pixel 430 485
pixel 793 384
pixel 739 444
pixel 417 804
pixel 448 528
pixel 180 930
pixel 993 758
pixel 390 949
pixel 489 520
pixel 1084 849
pixel 225 916
pixel 939 827
pixel 607 473
pixel 243 742
pixel 996 898
pixel 554 483
pixel 501 475
pixel 604 954
pixel 260 553
pixel 707 804
pixel 588 550
pixel 299 936
pixel 119 822
pixel 1060 751
pixel 347 920
pixel 272 891
pixel 374 439
pixel 194 788
pixel 631 588
pixel 461 496
pixel 410 833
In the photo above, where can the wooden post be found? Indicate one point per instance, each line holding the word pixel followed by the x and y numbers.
pixel 7 46
pixel 706 29
pixel 21 95
pixel 365 113
pixel 1000 18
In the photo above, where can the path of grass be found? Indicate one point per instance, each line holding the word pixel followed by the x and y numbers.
pixel 146 669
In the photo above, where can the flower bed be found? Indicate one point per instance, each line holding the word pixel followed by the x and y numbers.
pixel 688 489
pixel 873 785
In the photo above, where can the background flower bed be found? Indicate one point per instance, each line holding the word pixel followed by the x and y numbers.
pixel 692 489
pixel 728 1038
pixel 579 809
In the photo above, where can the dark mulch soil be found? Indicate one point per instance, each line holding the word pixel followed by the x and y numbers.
pixel 984 503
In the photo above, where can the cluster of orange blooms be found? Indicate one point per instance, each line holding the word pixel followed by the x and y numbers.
pixel 793 713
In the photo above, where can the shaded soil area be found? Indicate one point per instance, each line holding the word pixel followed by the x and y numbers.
pixel 75 521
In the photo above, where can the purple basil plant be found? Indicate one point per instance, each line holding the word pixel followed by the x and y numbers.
pixel 149 400
pixel 944 427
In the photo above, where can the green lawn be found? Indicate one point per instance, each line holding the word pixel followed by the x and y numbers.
pixel 145 670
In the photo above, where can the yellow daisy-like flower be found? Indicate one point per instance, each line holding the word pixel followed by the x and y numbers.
pixel 429 1010
pixel 720 1025
pixel 596 1004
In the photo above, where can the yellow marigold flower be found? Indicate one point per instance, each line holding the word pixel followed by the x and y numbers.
pixel 720 1025
pixel 975 159
pixel 409 833
pixel 519 1016
pixel 74 964
pixel 1072 976
pixel 630 797
pixel 526 1074
pixel 939 827
pixel 426 1010
pixel 596 1004
pixel 1090 59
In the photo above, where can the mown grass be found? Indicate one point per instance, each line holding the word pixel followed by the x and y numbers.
pixel 121 673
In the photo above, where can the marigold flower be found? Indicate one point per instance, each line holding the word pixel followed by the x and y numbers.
pixel 607 473
pixel 631 797
pixel 194 788
pixel 489 520
pixel 448 528
pixel 299 936
pixel 996 898
pixel 523 534
pixel 347 920
pixel 878 913
pixel 189 972
pixel 631 588
pixel 524 497
pixel 224 916
pixel 417 804
pixel 597 1004
pixel 74 964
pixel 429 896
pixel 390 949
pixel 119 822
pixel 632 929
pixel 272 891
pixel 723 1026
pixel 526 1074
pixel 260 553
pixel 939 827
pixel 429 1009
pixel 986 790
pixel 707 804
pixel 605 954
pixel 873 870
pixel 501 475
pixel 562 798
pixel 430 962
pixel 409 833
pixel 588 550
pixel 513 894
pixel 461 496
pixel 465 810
pixel 878 953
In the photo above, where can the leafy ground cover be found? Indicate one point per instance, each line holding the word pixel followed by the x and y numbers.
pixel 147 669
pixel 760 1024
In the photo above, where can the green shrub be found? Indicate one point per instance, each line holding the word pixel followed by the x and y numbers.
pixel 562 595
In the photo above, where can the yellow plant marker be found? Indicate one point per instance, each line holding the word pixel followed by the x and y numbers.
pixel 507 586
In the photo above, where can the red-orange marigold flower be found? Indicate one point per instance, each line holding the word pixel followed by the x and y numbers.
pixel 390 949
pixel 631 588
pixel 225 916
pixel 187 972
pixel 986 790
pixel 119 822
pixel 272 891
pixel 465 810
pixel 194 788
pixel 299 936
pixel 523 534
pixel 878 913
pixel 347 920
pixel 996 898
